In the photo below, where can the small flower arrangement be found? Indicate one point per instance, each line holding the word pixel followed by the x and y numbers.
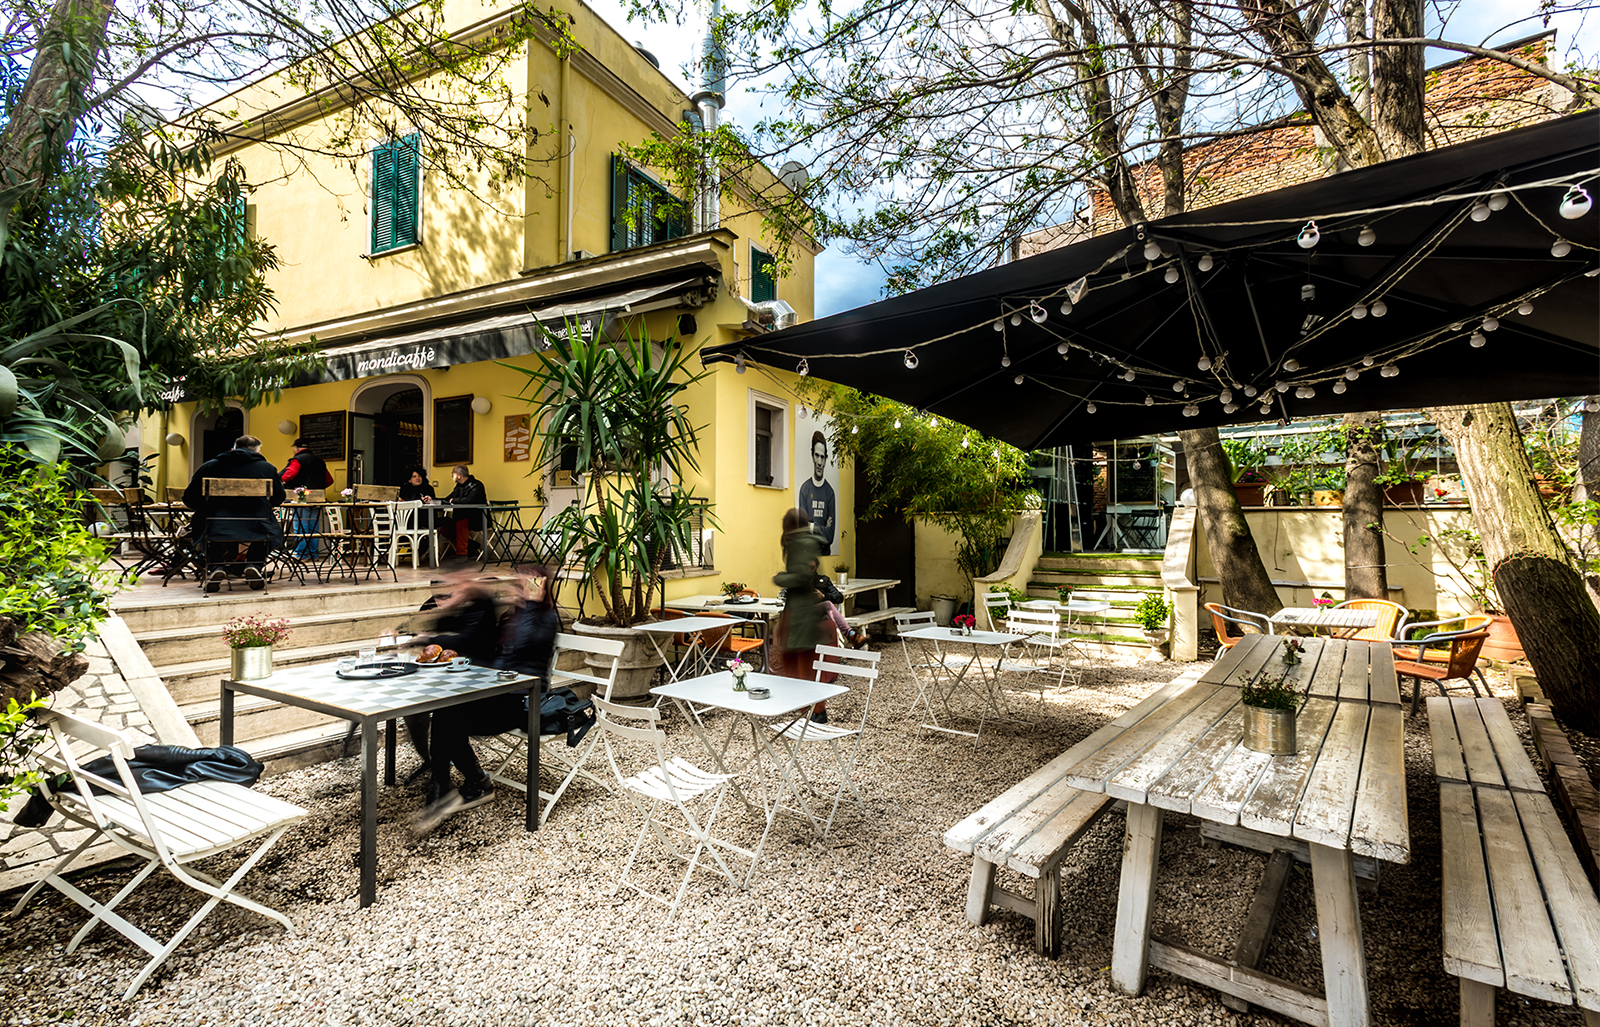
pixel 1252 477
pixel 731 588
pixel 347 493
pixel 1268 693
pixel 1325 599
pixel 1292 648
pixel 738 668
pixel 299 493
pixel 964 620
pixel 250 632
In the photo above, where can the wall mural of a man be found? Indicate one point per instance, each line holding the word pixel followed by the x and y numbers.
pixel 818 493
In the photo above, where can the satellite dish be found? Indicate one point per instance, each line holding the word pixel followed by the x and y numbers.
pixel 794 175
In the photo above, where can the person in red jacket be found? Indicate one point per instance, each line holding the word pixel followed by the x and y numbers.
pixel 306 470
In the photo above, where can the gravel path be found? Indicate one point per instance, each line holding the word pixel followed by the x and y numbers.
pixel 483 923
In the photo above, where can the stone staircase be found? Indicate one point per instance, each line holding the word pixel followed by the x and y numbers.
pixel 1127 576
pixel 183 641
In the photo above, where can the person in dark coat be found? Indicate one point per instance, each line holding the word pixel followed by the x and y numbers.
pixel 469 491
pixel 529 643
pixel 242 529
pixel 416 486
pixel 306 470
pixel 802 618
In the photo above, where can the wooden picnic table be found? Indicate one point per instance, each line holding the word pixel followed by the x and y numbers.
pixel 1342 793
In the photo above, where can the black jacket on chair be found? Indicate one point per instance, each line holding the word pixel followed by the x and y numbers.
pixel 235 518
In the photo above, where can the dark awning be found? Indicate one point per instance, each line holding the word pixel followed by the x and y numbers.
pixel 1438 271
pixel 493 338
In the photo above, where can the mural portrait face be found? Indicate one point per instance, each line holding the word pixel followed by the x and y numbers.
pixel 818 491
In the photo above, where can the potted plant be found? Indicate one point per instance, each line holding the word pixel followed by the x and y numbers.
pixel 731 589
pixel 1327 487
pixel 1152 614
pixel 1271 704
pixel 250 641
pixel 617 408
pixel 843 570
pixel 1402 487
pixel 1245 458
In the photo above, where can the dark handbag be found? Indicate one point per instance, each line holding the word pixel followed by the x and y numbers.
pixel 829 590
pixel 560 710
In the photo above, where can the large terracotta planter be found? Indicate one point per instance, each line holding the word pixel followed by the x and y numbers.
pixel 1253 493
pixel 636 669
pixel 1503 643
pixel 1405 494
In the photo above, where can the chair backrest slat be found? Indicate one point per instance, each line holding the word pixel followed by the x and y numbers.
pixel 237 487
pixel 365 493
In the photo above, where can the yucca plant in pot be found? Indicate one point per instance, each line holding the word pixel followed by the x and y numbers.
pixel 617 406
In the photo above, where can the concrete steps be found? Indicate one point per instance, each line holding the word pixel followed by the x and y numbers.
pixel 1124 576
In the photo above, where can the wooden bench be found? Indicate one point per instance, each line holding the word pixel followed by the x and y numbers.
pixel 1030 827
pixel 861 620
pixel 1518 911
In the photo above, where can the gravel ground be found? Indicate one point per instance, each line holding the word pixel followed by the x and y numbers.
pixel 483 923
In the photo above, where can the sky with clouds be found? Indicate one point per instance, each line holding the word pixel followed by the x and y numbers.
pixel 843 282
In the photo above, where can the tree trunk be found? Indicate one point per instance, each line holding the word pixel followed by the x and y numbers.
pixel 1586 488
pixel 1398 78
pixel 1355 32
pixel 46 112
pixel 1365 564
pixel 33 665
pixel 1245 583
pixel 1541 591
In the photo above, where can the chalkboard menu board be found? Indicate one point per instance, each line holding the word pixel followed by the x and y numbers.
pixel 324 434
pixel 452 430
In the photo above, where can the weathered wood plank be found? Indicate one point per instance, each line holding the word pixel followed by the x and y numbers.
pixel 980 891
pixel 1448 762
pixel 1133 781
pixel 1330 664
pixel 1222 671
pixel 1344 957
pixel 1244 838
pixel 1355 684
pixel 1136 898
pixel 1185 778
pixel 1528 949
pixel 1477 1004
pixel 1038 854
pixel 1153 701
pixel 1471 946
pixel 1259 921
pixel 1515 766
pixel 1254 652
pixel 1090 774
pixel 1483 768
pixel 1328 805
pixel 1230 787
pixel 1381 826
pixel 1385 684
pixel 1572 902
pixel 1272 806
pixel 1257 988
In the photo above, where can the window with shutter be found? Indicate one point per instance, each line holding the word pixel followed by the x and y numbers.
pixel 395 173
pixel 642 211
pixel 763 279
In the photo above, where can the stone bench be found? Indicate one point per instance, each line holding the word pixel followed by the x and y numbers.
pixel 1030 828
pixel 1518 910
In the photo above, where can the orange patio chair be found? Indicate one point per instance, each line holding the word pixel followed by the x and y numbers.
pixel 1454 656
pixel 727 640
pixel 1391 619
pixel 1223 617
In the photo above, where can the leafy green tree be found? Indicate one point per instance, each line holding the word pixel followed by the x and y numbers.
pixel 928 468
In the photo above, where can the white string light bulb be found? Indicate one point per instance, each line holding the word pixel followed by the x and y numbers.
pixel 1592 272
pixel 1038 313
pixel 1179 385
pixel 1250 390
pixel 1477 339
pixel 1305 392
pixel 1229 408
pixel 1498 201
pixel 1480 211
pixel 1358 311
pixel 1191 411
pixel 1281 386
pixel 911 361
pixel 1226 396
pixel 1266 408
pixel 1339 387
pixel 1152 250
pixel 1128 375
pixel 1591 406
pixel 1016 319
pixel 1367 361
pixel 1204 363
pixel 1091 407
pixel 1017 380
pixel 1379 308
pixel 1351 373
pixel 1291 364
pixel 1205 263
pixel 1149 400
pixel 1061 348
pixel 1560 248
pixel 803 368
pixel 1005 361
pixel 1066 307
pixel 1457 326
pixel 1525 308
pixel 1171 275
pixel 1390 371
pixel 1367 236
pixel 1000 325
pixel 1576 203
pixel 1491 323
pixel 1309 236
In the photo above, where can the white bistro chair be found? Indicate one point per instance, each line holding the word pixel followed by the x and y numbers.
pixel 408 528
pixel 1043 654
pixel 861 664
pixel 503 751
pixel 995 607
pixel 170 829
pixel 657 783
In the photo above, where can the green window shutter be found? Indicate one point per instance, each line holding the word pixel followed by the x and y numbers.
pixel 395 179
pixel 619 204
pixel 656 214
pixel 763 283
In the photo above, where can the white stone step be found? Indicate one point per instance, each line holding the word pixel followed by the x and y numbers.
pixel 145 613
pixel 167 647
pixel 199 680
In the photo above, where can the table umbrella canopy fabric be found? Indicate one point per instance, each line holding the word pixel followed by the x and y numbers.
pixel 1448 277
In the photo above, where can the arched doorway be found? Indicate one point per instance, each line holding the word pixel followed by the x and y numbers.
pixel 387 428
pixel 215 435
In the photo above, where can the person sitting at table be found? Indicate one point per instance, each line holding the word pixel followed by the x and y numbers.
pixel 305 470
pixel 469 491
pixel 416 486
pixel 529 642
pixel 239 530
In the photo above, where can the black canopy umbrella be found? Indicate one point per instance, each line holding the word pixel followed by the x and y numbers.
pixel 1449 277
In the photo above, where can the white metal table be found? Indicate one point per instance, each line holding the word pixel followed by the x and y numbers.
pixel 367 703
pixel 947 673
pixel 790 696
pixel 856 586
pixel 657 631
pixel 1321 617
pixel 1342 793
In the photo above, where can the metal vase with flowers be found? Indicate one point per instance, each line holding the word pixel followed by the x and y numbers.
pixel 250 641
pixel 1271 705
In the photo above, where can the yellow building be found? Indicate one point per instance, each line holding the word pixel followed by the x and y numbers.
pixel 415 290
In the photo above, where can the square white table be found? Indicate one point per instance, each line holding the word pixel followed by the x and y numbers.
pixel 1322 617
pixel 656 631
pixel 1343 793
pixel 790 696
pixel 955 676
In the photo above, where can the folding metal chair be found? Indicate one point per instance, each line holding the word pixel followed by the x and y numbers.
pixel 1043 653
pixel 849 663
pixel 662 781
pixel 168 829
pixel 503 751
pixel 995 607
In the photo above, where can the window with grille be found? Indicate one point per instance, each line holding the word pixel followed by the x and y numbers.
pixel 642 210
pixel 396 170
pixel 763 277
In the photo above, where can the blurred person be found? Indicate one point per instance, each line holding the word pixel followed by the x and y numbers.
pixel 799 629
